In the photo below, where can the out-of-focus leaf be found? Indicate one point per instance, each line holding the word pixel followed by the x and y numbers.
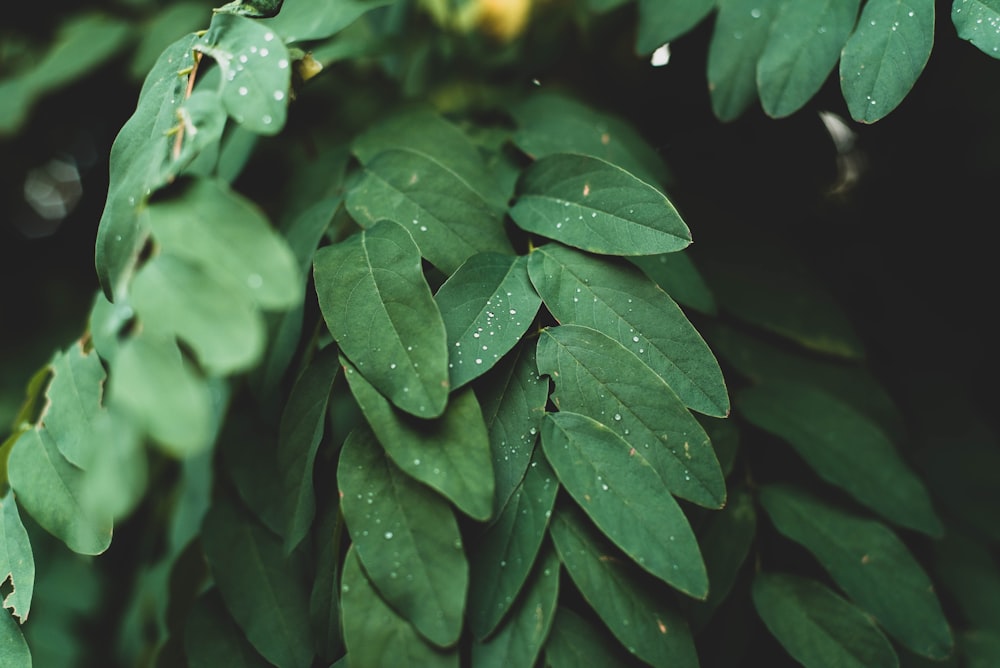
pixel 486 305
pixel 593 205
pixel 970 574
pixel 17 563
pixel 519 639
pixel 324 599
pixel 48 488
pixel 406 537
pixel 662 21
pixel 870 563
pixel 818 627
pixel 679 278
pixel 574 642
pixel 380 311
pixel 504 553
pixel 625 498
pixel 596 376
pixel 212 638
pixel 980 649
pixel 450 454
pixel 638 614
pixel 844 448
pixel 303 21
pixel 885 55
pixel 117 470
pixel 802 48
pixel 14 650
pixel 263 590
pixel 375 634
pixel 738 39
pixel 978 21
pixel 619 300
pixel 161 28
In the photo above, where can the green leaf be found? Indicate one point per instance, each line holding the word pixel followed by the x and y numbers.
pixel 738 39
pixel 635 612
pixel 596 376
pixel 324 599
pixel 375 634
pixel 228 236
pixel 380 311
pixel 262 589
pixel 449 220
pixel 618 300
pixel 970 575
pixel 625 498
pixel 48 488
pixel 173 297
pixel 679 278
pixel 593 205
pixel 407 539
pixel 505 551
pixel 978 21
pixel 844 448
pixel 885 55
pixel 519 640
pixel 75 390
pixel 256 71
pixel 450 454
pixel 162 27
pixel 117 470
pixel 14 650
pixel 513 398
pixel 299 434
pixel 487 305
pixel 304 21
pixel 662 21
pixel 549 123
pixel 249 461
pixel 212 638
pixel 818 627
pixel 802 48
pixel 17 563
pixel 870 563
pixel 574 642
pixel 980 649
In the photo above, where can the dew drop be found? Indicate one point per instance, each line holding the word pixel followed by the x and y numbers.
pixel 279 95
pixel 388 535
pixel 254 281
pixel 243 90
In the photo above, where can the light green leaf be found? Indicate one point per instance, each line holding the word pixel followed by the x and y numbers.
pixel 162 27
pixel 513 397
pixel 263 590
pixel 519 639
pixel 14 650
pixel 504 552
pixel 818 627
pixel 619 301
pixel 303 420
pixel 406 537
pixel 487 306
pixel 978 21
pixel 48 488
pixel 380 311
pixel 574 642
pixel 802 48
pixel 375 634
pixel 679 278
pixel 228 236
pixel 738 39
pixel 256 71
pixel 593 205
pixel 17 563
pixel 203 118
pixel 212 638
pixel 450 454
pixel 449 220
pixel 75 390
pixel 844 448
pixel 303 20
pixel 174 297
pixel 596 376
pixel 662 21
pixel 885 55
pixel 625 498
pixel 870 563
pixel 117 470
pixel 549 123
pixel 631 607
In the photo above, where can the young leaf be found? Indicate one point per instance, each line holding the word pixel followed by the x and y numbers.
pixel 574 642
pixel 406 537
pixel 520 638
pixel 503 554
pixel 636 613
pixel 870 563
pixel 375 634
pixel 977 22
pixel 593 205
pixel 885 55
pixel 48 488
pixel 212 638
pixel 263 590
pixel 450 454
pixel 625 498
pixel 596 376
pixel 76 388
pixel 14 650
pixel 618 300
pixel 738 39
pixel 380 311
pixel 844 448
pixel 818 627
pixel 802 48
pixel 662 21
pixel 17 563
pixel 679 278
pixel 486 305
